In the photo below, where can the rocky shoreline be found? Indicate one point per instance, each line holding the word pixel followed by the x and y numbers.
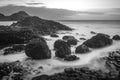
pixel 27 35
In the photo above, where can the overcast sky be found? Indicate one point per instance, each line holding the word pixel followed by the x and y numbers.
pixel 64 9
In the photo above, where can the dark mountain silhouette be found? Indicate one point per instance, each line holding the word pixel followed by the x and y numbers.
pixel 14 17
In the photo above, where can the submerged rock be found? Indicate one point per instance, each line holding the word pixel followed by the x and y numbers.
pixel 38 49
pixel 54 35
pixel 82 39
pixel 71 58
pixel 98 41
pixel 92 32
pixel 82 49
pixel 116 37
pixel 67 37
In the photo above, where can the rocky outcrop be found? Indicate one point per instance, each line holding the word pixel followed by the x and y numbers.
pixel 41 26
pixel 67 37
pixel 14 17
pixel 116 37
pixel 98 41
pixel 37 49
pixel 82 49
pixel 9 36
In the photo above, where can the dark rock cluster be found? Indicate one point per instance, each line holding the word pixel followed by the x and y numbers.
pixel 98 41
pixel 14 48
pixel 12 71
pixel 38 49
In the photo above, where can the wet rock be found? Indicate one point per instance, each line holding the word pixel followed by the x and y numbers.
pixel 60 43
pixel 82 49
pixel 18 47
pixel 116 37
pixel 38 49
pixel 62 52
pixel 8 51
pixel 72 41
pixel 68 37
pixel 54 35
pixel 71 58
pixel 98 41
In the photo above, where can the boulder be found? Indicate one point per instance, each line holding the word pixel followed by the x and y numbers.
pixel 60 43
pixel 62 52
pixel 37 49
pixel 68 37
pixel 71 58
pixel 54 35
pixel 72 41
pixel 98 41
pixel 116 37
pixel 82 49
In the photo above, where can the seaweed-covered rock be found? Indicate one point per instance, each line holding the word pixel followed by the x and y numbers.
pixel 98 41
pixel 67 37
pixel 71 58
pixel 37 49
pixel 72 41
pixel 60 43
pixel 116 37
pixel 82 49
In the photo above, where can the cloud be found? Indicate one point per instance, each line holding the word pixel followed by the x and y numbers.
pixel 34 3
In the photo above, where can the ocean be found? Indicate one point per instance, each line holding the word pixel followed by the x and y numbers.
pixel 111 27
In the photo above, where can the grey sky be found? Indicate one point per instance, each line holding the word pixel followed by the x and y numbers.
pixel 64 9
